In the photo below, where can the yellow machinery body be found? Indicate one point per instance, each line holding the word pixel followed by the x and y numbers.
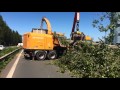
pixel 88 38
pixel 41 43
pixel 38 41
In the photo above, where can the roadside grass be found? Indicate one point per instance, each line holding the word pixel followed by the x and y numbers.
pixel 7 50
pixel 4 62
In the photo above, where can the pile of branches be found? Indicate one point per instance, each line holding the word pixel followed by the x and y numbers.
pixel 91 61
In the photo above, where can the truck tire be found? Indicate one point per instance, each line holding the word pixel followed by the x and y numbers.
pixel 41 55
pixel 52 55
pixel 25 57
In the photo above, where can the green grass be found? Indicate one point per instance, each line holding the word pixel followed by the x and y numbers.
pixel 7 50
pixel 6 61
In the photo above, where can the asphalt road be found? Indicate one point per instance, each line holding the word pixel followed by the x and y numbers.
pixel 22 68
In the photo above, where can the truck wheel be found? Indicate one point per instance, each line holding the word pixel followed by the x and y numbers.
pixel 25 57
pixel 52 55
pixel 41 55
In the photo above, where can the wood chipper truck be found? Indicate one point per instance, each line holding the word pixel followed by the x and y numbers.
pixel 41 43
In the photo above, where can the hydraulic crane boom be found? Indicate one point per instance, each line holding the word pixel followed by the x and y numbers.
pixel 77 35
pixel 76 20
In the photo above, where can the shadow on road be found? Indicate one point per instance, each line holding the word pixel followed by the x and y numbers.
pixel 35 59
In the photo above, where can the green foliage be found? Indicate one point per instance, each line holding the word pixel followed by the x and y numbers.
pixel 112 18
pixel 7 50
pixel 91 61
pixel 62 39
pixel 6 61
pixel 7 36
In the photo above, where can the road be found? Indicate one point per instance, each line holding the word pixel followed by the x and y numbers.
pixel 22 68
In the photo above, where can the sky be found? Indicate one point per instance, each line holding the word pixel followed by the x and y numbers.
pixel 23 22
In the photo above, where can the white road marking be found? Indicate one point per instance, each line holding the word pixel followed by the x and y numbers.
pixel 11 72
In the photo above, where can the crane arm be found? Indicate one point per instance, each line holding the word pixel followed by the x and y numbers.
pixel 76 20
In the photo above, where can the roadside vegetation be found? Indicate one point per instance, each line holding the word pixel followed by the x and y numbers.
pixel 91 61
pixel 7 50
pixel 8 37
pixel 4 62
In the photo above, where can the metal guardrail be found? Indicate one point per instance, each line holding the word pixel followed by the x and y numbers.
pixel 6 55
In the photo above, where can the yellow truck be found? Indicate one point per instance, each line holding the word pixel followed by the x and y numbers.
pixel 42 44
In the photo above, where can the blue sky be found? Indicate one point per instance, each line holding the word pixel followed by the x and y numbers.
pixel 60 22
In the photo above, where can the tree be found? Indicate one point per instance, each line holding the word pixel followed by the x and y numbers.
pixel 7 36
pixel 112 18
pixel 1 30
